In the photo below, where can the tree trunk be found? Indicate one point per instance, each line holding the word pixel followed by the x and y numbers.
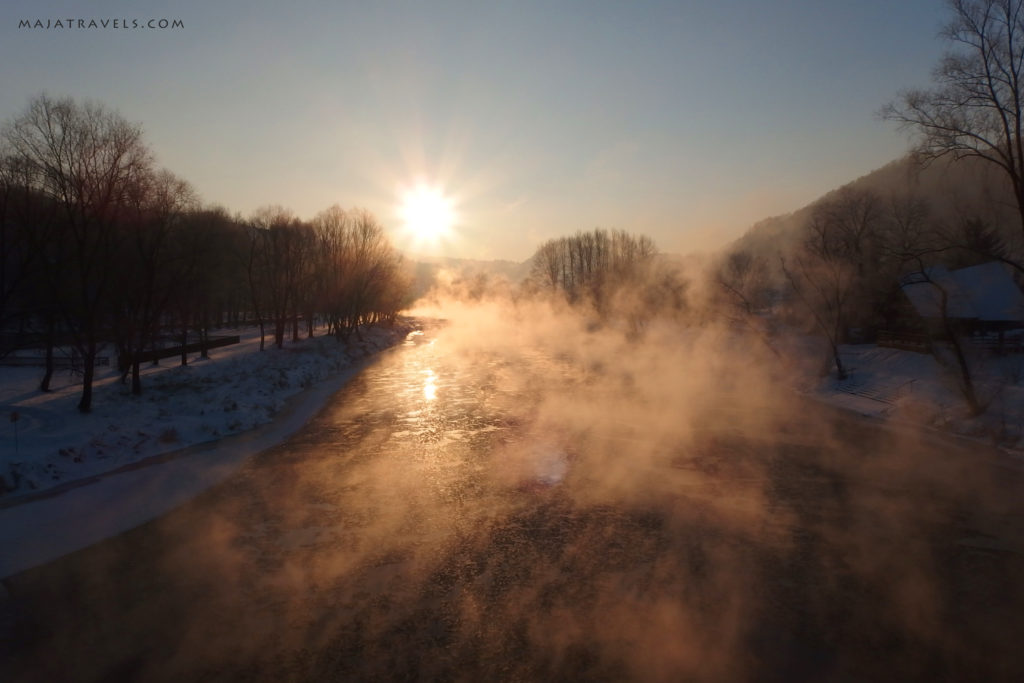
pixel 966 380
pixel 837 337
pixel 88 372
pixel 840 370
pixel 964 368
pixel 51 332
pixel 204 335
pixel 136 379
pixel 1019 188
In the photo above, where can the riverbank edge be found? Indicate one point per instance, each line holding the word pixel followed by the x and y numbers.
pixel 43 526
pixel 293 403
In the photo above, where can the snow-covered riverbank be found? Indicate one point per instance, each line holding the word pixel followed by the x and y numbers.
pixel 46 443
pixel 914 391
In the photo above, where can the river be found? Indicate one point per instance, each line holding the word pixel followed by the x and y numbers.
pixel 477 509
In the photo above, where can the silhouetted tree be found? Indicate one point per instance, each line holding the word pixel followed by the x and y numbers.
pixel 851 221
pixel 89 160
pixel 950 337
pixel 278 249
pixel 590 266
pixel 96 246
pixel 743 276
pixel 372 265
pixel 822 273
pixel 746 292
pixel 155 265
pixel 219 244
pixel 915 244
pixel 976 107
pixel 974 240
pixel 26 224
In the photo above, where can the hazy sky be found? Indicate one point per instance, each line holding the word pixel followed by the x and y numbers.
pixel 687 121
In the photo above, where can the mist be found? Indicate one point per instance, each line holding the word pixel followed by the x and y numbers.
pixel 529 490
pixel 606 463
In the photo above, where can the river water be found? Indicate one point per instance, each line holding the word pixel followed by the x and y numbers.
pixel 556 508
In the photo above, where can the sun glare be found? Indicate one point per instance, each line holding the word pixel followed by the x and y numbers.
pixel 427 213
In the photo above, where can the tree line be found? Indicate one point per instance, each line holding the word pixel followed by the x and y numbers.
pixel 589 265
pixel 617 275
pixel 100 247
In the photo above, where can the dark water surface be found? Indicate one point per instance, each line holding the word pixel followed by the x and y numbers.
pixel 531 516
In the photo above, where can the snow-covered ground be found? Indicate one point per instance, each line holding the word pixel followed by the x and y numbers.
pixel 914 389
pixel 45 442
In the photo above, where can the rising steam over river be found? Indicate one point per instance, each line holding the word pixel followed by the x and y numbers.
pixel 523 497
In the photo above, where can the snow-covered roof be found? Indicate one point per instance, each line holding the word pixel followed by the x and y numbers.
pixel 983 292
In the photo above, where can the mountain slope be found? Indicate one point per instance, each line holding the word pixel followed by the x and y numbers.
pixel 955 191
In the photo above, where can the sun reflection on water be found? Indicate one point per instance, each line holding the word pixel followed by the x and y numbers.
pixel 430 385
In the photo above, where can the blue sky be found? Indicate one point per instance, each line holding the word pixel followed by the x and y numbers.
pixel 686 121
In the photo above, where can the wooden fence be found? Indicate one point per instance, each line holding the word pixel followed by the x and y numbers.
pixel 172 351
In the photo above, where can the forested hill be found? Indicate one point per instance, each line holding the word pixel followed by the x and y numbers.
pixel 953 191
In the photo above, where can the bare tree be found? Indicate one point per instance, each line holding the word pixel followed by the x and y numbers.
pixel 256 275
pixel 976 107
pixel 372 263
pixel 26 225
pixel 214 242
pixel 744 278
pixel 589 266
pixel 546 268
pixel 824 285
pixel 332 234
pixel 155 266
pixel 854 222
pixel 34 282
pixel 830 269
pixel 915 244
pixel 88 159
pixel 278 249
pixel 361 277
pixel 745 292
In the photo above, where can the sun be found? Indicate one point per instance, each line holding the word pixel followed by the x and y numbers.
pixel 426 212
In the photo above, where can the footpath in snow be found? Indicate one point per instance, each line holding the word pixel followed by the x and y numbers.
pixel 72 480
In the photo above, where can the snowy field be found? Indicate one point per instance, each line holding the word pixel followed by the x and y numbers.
pixel 45 442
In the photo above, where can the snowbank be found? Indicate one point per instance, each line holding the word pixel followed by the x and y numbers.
pixel 46 443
